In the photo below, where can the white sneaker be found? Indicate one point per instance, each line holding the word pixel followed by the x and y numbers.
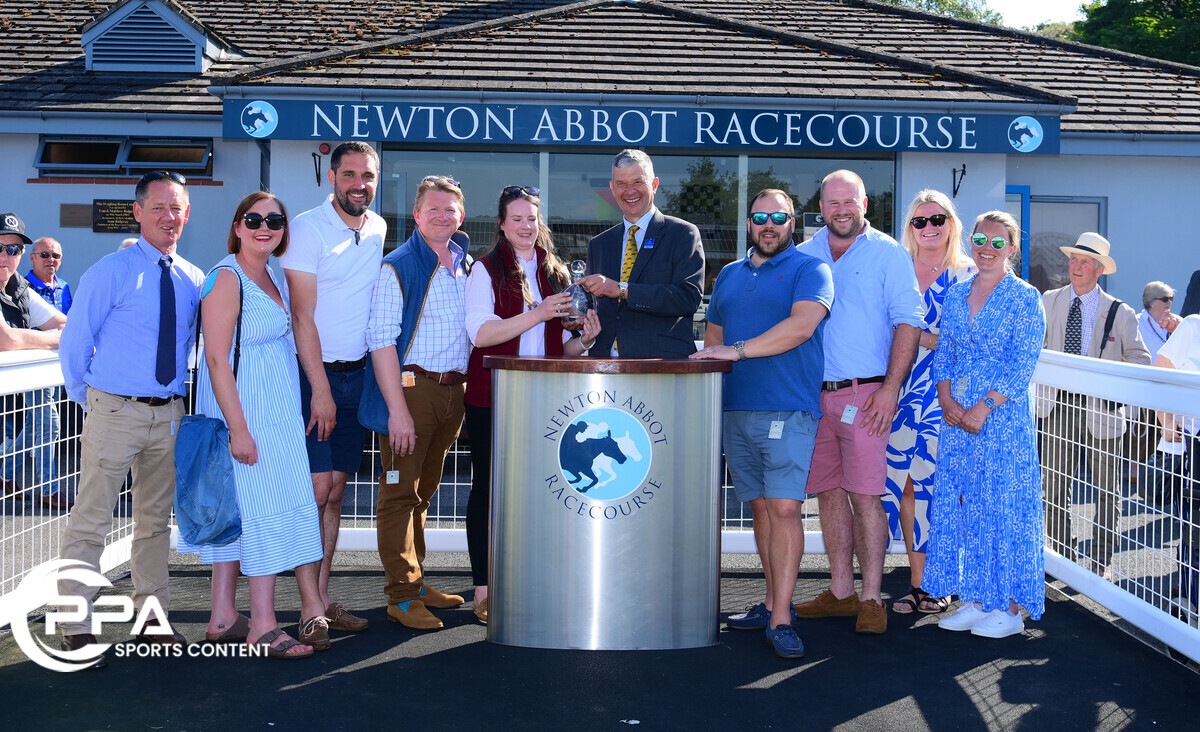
pixel 999 624
pixel 964 619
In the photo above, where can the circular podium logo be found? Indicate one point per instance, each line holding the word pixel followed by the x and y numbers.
pixel 259 119
pixel 605 454
pixel 1025 134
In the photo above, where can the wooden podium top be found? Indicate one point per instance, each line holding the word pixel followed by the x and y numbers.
pixel 584 365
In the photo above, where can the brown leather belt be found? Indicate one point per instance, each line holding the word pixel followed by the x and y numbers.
pixel 835 385
pixel 449 378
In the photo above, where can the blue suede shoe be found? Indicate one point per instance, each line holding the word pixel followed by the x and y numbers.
pixel 785 642
pixel 756 617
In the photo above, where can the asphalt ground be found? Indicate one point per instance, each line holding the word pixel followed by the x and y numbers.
pixel 1074 669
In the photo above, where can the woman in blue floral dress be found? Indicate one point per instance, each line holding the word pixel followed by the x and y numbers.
pixel 933 237
pixel 985 542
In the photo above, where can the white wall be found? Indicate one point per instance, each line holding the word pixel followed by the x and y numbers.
pixel 235 165
pixel 982 188
pixel 1150 200
pixel 293 177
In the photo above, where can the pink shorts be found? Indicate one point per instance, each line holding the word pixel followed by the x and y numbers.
pixel 846 455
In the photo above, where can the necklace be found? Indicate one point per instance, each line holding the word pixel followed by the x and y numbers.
pixel 932 267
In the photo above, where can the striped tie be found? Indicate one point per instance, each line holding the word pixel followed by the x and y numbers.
pixel 1074 340
pixel 627 265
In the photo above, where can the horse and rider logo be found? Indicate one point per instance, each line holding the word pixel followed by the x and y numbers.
pixel 605 453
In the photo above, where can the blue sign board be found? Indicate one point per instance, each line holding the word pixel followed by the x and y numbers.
pixel 576 125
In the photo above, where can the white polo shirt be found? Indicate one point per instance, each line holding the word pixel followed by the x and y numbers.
pixel 321 243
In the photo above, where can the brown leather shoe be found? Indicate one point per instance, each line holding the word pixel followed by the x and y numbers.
pixel 10 488
pixel 56 502
pixel 75 642
pixel 827 605
pixel 315 632
pixel 172 638
pixel 413 614
pixel 341 619
pixel 436 598
pixel 872 618
pixel 481 611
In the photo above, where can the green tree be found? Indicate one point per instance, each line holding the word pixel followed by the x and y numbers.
pixel 968 9
pixel 1056 29
pixel 1166 29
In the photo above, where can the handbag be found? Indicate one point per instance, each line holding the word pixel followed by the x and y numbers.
pixel 206 507
pixel 1160 479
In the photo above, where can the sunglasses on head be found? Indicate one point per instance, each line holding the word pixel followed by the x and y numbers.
pixel 518 190
pixel 998 242
pixel 440 179
pixel 13 250
pixel 49 255
pixel 919 222
pixel 160 174
pixel 274 221
pixel 779 218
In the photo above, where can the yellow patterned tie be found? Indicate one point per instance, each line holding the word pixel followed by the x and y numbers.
pixel 1074 337
pixel 627 265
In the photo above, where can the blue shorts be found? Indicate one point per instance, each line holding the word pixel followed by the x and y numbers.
pixel 761 467
pixel 343 450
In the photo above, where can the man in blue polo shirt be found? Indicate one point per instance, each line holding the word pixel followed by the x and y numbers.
pixel 768 314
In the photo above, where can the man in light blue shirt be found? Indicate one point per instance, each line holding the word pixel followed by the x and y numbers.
pixel 131 382
pixel 870 345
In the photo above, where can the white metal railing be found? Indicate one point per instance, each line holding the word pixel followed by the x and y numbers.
pixel 1145 532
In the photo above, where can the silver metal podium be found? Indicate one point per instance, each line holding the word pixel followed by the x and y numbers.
pixel 605 522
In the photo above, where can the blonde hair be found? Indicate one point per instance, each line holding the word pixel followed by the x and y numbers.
pixel 1010 225
pixel 955 257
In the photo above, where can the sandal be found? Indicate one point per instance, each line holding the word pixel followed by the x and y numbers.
pixel 235 633
pixel 933 605
pixel 281 650
pixel 905 606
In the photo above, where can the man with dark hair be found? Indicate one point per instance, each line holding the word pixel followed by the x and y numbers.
pixel 124 356
pixel 413 397
pixel 647 271
pixel 768 314
pixel 331 264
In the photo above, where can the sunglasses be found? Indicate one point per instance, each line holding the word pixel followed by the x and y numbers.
pixel 1165 299
pixel 160 174
pixel 440 179
pixel 998 242
pixel 13 250
pixel 518 190
pixel 49 255
pixel 274 221
pixel 779 218
pixel 919 222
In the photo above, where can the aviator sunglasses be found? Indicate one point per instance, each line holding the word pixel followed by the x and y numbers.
pixel 274 221
pixel 998 242
pixel 919 222
pixel 779 218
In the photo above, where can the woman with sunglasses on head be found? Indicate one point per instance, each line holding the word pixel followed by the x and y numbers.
pixel 933 238
pixel 985 542
pixel 260 403
pixel 515 306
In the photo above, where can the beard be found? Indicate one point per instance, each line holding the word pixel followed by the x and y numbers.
pixel 770 248
pixel 847 230
pixel 343 201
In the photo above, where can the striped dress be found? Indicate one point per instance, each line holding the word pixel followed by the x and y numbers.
pixel 280 525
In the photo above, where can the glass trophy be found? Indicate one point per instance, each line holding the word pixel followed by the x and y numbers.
pixel 581 300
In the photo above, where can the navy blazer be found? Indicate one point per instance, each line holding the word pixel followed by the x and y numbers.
pixel 665 289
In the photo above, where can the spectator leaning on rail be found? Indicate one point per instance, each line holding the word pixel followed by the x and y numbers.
pixel 1083 319
pixel 24 310
pixel 413 393
pixel 124 357
pixel 870 344
pixel 768 314
pixel 331 264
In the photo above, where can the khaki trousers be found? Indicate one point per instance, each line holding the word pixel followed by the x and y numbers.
pixel 1064 436
pixel 404 496
pixel 119 434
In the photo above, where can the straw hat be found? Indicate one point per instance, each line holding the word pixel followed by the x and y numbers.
pixel 1095 246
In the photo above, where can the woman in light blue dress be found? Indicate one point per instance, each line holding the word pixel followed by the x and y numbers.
pixel 985 542
pixel 933 238
pixel 261 406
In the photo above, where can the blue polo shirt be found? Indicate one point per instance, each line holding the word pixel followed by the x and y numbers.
pixel 747 301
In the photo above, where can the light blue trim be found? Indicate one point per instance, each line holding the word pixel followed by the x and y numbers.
pixel 1023 192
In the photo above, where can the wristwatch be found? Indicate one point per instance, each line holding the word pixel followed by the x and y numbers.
pixel 624 295
pixel 989 402
pixel 740 347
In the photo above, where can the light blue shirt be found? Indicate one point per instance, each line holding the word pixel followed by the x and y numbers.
pixel 640 235
pixel 875 290
pixel 110 341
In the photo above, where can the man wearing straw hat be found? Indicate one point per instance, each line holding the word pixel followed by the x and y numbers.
pixel 1083 319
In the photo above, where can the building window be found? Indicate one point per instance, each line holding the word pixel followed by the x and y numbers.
pixel 122 156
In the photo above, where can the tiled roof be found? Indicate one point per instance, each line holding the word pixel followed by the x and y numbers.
pixel 844 49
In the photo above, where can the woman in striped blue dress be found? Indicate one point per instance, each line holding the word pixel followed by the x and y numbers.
pixel 261 406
